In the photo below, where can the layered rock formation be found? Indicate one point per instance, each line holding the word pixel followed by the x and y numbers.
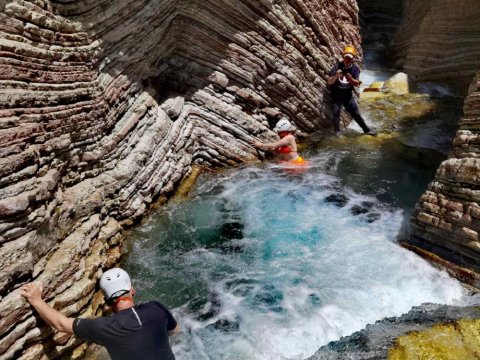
pixel 438 41
pixel 105 106
pixel 434 332
pixel 446 221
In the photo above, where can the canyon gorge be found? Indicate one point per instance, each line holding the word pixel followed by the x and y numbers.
pixel 107 106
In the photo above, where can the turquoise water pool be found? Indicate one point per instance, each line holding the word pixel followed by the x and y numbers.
pixel 262 264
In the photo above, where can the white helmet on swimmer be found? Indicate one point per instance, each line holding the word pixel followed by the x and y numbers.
pixel 115 282
pixel 283 125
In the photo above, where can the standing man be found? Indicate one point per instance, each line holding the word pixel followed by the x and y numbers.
pixel 132 332
pixel 344 77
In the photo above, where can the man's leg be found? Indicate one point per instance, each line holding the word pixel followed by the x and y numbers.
pixel 353 110
pixel 336 109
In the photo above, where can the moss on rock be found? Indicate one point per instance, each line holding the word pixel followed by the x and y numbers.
pixel 452 341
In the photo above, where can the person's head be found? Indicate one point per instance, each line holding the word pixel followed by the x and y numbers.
pixel 117 289
pixel 349 54
pixel 283 127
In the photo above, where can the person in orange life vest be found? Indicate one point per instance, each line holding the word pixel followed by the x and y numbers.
pixel 132 332
pixel 286 147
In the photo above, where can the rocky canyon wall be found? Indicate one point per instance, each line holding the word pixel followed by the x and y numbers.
pixel 105 106
pixel 447 217
pixel 438 41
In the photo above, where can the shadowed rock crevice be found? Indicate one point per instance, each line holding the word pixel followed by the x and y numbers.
pixel 379 20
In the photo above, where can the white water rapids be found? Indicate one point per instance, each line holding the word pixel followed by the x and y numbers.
pixel 260 264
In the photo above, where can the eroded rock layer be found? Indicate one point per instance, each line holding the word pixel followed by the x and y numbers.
pixel 438 41
pixel 446 221
pixel 430 331
pixel 105 106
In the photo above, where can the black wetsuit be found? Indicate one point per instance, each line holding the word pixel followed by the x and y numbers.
pixel 342 94
pixel 139 332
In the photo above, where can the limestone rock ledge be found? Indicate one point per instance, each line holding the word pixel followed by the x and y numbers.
pixel 429 331
pixel 438 41
pixel 446 221
pixel 106 105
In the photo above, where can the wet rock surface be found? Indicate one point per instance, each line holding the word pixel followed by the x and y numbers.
pixel 366 211
pixel 447 217
pixel 418 120
pixel 376 341
pixel 104 108
pixel 339 200
pixel 225 325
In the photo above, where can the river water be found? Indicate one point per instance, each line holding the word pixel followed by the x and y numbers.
pixel 263 264
pixel 259 263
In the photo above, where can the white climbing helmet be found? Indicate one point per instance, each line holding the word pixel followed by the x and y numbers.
pixel 115 282
pixel 283 125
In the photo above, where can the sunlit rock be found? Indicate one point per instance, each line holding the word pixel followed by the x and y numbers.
pixel 376 86
pixel 413 336
pixel 374 91
pixel 173 106
pixel 372 95
pixel 459 340
pixel 390 111
pixel 398 84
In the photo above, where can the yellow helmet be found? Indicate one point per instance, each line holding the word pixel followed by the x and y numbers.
pixel 350 49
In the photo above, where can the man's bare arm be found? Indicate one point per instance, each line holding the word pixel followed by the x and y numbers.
pixel 54 318
pixel 272 146
pixel 352 80
pixel 331 79
pixel 174 331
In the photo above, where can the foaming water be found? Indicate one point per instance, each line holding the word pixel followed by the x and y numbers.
pixel 437 90
pixel 262 264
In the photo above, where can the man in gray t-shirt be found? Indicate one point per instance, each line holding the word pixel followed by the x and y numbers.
pixel 132 332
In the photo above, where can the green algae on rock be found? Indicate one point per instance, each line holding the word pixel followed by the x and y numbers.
pixel 407 116
pixel 377 341
pixel 459 340
pixel 389 110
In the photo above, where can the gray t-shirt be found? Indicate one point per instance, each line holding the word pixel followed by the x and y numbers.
pixel 139 332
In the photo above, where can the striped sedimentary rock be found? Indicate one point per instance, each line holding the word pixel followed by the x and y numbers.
pixel 105 106
pixel 447 217
pixel 438 41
